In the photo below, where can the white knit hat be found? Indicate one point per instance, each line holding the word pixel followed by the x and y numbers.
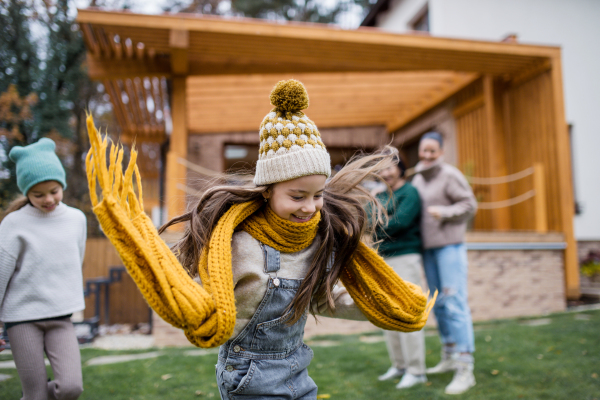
pixel 290 144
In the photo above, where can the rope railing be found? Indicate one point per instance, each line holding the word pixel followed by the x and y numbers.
pixel 491 205
pixel 538 193
pixel 501 179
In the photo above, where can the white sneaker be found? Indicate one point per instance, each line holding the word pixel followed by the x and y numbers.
pixel 446 365
pixel 391 373
pixel 463 379
pixel 410 380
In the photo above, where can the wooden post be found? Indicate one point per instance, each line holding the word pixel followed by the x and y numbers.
pixel 178 143
pixel 541 209
pixel 567 206
pixel 176 173
pixel 496 155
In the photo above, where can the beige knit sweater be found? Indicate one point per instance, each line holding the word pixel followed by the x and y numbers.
pixel 250 280
pixel 445 187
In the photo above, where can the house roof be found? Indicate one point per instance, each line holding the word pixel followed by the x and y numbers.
pixel 354 77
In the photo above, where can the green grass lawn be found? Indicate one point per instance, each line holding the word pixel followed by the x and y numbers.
pixel 560 360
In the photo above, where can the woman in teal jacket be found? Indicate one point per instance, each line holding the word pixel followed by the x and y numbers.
pixel 400 245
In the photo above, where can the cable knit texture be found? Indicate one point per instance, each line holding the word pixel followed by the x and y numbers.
pixel 40 263
pixel 207 313
pixel 290 143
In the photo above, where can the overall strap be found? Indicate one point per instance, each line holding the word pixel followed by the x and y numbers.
pixel 330 261
pixel 272 258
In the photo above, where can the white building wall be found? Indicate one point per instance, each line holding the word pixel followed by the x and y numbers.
pixel 400 14
pixel 574 25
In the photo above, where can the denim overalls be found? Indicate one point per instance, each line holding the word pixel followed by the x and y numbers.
pixel 268 358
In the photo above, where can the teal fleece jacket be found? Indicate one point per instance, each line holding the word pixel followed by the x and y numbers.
pixel 402 235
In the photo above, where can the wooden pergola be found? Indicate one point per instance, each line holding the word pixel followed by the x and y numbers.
pixel 213 77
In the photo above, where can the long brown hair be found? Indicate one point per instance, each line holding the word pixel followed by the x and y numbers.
pixel 349 212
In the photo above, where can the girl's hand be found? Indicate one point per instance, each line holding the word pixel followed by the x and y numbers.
pixel 2 344
pixel 435 212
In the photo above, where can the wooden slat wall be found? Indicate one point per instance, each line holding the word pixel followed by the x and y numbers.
pixel 472 144
pixel 529 115
pixel 126 303
pixel 472 159
pixel 526 120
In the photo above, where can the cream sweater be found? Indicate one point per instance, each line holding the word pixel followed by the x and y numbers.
pixel 250 280
pixel 445 187
pixel 41 255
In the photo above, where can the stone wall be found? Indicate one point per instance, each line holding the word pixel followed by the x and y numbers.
pixel 502 284
pixel 515 283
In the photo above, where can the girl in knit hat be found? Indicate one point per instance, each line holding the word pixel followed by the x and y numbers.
pixel 258 256
pixel 41 253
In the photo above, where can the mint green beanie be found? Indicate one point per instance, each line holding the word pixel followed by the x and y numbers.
pixel 37 163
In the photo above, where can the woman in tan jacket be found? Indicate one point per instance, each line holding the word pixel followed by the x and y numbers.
pixel 447 203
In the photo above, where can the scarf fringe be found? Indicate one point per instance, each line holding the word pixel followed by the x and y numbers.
pixel 163 282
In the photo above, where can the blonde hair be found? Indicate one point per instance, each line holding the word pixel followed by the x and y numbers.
pixel 349 212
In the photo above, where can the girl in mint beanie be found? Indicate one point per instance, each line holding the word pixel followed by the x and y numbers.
pixel 41 254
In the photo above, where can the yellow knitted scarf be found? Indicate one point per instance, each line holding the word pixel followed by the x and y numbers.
pixel 207 313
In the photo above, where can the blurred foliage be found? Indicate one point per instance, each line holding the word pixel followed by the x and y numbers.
pixel 45 91
pixel 19 76
pixel 287 10
pixel 590 266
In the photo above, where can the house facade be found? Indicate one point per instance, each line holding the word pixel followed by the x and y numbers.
pixel 500 106
pixel 572 25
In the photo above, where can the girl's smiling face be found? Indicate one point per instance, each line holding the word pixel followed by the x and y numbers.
pixel 45 196
pixel 299 199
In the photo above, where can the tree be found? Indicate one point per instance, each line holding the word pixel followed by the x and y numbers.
pixel 18 82
pixel 292 10
pixel 45 92
pixel 65 95
pixel 288 10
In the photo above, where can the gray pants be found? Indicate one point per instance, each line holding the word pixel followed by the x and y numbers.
pixel 407 349
pixel 57 339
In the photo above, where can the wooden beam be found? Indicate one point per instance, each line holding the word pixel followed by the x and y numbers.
pixel 567 205
pixel 179 41
pixel 90 40
pixel 495 155
pixel 176 173
pixel 179 38
pixel 468 106
pixel 532 72
pixel 305 32
pixel 99 69
pixel 436 98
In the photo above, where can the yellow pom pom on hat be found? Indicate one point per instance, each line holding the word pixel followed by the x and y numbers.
pixel 290 143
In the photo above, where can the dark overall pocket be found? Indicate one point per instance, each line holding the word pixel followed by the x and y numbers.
pixel 236 375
